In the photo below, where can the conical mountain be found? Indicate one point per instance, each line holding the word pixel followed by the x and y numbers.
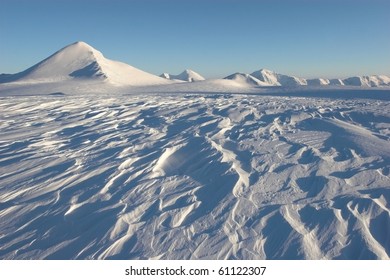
pixel 80 61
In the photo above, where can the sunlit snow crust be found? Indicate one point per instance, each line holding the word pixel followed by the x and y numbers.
pixel 194 176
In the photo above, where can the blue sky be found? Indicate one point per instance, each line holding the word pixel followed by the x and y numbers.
pixel 307 38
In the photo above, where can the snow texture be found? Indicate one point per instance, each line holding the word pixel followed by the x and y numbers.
pixel 194 176
pixel 215 169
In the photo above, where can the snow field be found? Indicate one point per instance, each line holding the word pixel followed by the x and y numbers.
pixel 194 176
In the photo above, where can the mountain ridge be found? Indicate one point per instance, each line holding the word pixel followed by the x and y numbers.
pixel 187 75
pixel 265 77
pixel 81 62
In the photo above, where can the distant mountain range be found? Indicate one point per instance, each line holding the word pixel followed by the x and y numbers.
pixel 81 62
pixel 266 77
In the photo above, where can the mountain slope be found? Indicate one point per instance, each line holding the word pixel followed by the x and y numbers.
pixel 264 77
pixel 187 75
pixel 270 78
pixel 368 81
pixel 79 61
pixel 245 79
pixel 317 82
pixel 267 76
pixel 275 79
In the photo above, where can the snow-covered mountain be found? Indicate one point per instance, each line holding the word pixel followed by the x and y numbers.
pixel 247 79
pixel 187 75
pixel 80 61
pixel 275 79
pixel 336 82
pixel 265 77
pixel 368 81
pixel 317 82
pixel 244 167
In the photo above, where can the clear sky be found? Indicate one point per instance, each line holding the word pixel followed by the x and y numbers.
pixel 307 38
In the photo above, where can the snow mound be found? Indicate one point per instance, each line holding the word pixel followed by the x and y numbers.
pixel 80 61
pixel 187 76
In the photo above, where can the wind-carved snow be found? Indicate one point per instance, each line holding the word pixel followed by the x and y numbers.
pixel 194 176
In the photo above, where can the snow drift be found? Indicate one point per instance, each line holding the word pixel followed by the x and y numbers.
pixel 194 176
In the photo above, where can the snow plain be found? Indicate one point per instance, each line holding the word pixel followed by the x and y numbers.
pixel 195 176
pixel 100 160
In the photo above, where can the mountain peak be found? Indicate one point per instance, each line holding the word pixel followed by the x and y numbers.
pixel 81 61
pixel 271 78
pixel 80 50
pixel 264 70
pixel 82 47
pixel 187 75
pixel 267 76
pixel 81 43
pixel 243 78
